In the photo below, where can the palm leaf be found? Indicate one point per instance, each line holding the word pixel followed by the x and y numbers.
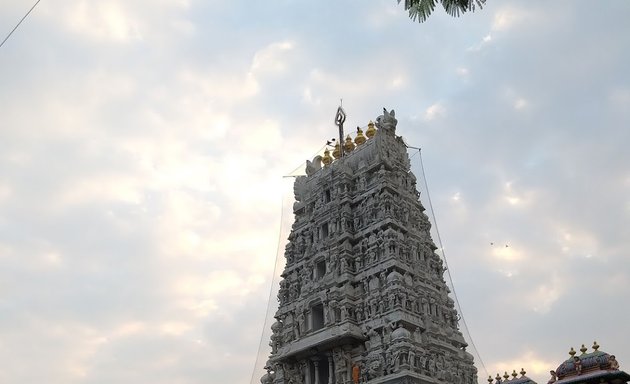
pixel 419 9
pixel 455 7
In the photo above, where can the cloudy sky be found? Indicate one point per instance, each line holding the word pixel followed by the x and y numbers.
pixel 143 146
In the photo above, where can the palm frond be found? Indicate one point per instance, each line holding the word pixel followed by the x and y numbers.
pixel 455 7
pixel 419 9
pixel 458 7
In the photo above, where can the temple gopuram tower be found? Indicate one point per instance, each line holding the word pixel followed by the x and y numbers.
pixel 362 297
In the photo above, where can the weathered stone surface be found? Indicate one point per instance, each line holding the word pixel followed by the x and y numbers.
pixel 363 298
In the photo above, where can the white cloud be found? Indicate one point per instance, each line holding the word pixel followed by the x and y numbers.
pixel 516 99
pixel 103 21
pixel 504 19
pixel 518 196
pixel 510 17
pixel 336 84
pixel 532 360
pixel 520 103
pixel 5 193
pixel 383 15
pixel 480 45
pixel 576 242
pixel 272 58
pixel 307 96
pixel 620 97
pixel 506 253
pixel 122 22
pixel 398 82
pixel 542 297
pixel 264 136
pixel 434 111
pixel 141 174
pixel 101 188
pixel 212 88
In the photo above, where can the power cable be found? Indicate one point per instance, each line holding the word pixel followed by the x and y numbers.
pixel 20 22
pixel 291 174
pixel 448 272
pixel 271 290
pixel 274 276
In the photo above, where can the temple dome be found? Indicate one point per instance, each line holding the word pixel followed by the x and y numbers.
pixel 594 361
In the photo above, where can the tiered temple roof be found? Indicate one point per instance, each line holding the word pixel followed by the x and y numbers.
pixel 362 296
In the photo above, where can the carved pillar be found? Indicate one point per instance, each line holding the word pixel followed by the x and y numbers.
pixel 307 372
pixel 316 365
pixel 331 370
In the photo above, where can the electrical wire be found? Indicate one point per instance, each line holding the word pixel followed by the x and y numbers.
pixel 274 281
pixel 271 290
pixel 18 24
pixel 291 174
pixel 448 272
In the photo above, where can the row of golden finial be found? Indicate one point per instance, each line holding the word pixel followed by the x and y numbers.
pixel 349 146
pixel 506 376
pixel 572 352
pixel 584 349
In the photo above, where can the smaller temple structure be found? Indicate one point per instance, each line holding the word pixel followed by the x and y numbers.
pixel 589 368
pixel 596 367
pixel 514 380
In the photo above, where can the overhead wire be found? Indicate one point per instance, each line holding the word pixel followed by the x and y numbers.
pixel 19 22
pixel 274 277
pixel 291 174
pixel 271 290
pixel 448 272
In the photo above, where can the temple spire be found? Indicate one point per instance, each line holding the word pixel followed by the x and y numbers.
pixel 340 118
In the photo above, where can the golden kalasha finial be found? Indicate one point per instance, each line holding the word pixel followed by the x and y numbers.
pixel 360 139
pixel 348 146
pixel 583 349
pixel 336 151
pixel 506 376
pixel 572 352
pixel 490 379
pixel 522 372
pixel 514 374
pixel 327 159
pixel 595 345
pixel 498 378
pixel 371 131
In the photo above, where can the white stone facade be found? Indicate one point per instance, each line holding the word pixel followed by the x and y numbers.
pixel 363 298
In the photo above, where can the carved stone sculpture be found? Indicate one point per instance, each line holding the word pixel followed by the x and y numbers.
pixel 360 261
pixel 614 364
pixel 313 166
pixel 553 378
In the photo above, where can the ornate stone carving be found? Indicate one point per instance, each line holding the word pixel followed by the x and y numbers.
pixel 313 166
pixel 553 377
pixel 362 279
